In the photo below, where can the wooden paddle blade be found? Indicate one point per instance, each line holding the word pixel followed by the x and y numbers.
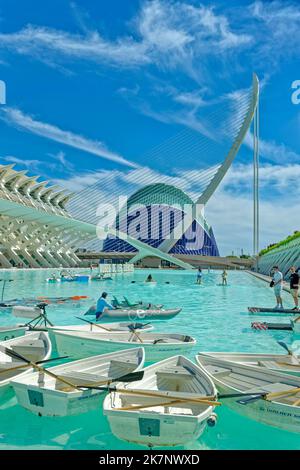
pixel 132 377
pixel 247 401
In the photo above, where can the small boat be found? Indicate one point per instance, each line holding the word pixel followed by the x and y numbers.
pixel 10 332
pixel 156 411
pixel 136 314
pixel 33 346
pixel 285 363
pixel 158 346
pixel 260 394
pixel 50 396
pixel 295 324
pixel 121 327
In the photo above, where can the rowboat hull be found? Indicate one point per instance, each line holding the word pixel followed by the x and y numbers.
pixel 277 362
pixel 83 346
pixel 273 413
pixel 159 425
pixel 50 398
pixel 6 391
pixel 13 332
pixel 269 413
pixel 157 431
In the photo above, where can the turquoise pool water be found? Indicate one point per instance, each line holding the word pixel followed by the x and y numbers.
pixel 216 316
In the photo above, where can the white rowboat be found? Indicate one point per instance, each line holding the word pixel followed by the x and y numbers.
pixel 157 346
pixel 163 421
pixel 121 327
pixel 10 332
pixel 47 396
pixel 33 346
pixel 285 363
pixel 279 409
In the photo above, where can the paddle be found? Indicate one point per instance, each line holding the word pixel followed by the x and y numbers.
pixel 131 377
pixel 95 324
pixel 157 394
pixel 21 366
pixel 168 403
pixel 34 365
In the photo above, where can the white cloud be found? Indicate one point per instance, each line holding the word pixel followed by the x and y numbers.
pixel 166 33
pixel 23 121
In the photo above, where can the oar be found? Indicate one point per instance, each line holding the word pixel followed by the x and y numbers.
pixel 21 366
pixel 130 377
pixel 168 403
pixel 94 324
pixel 34 365
pixel 154 394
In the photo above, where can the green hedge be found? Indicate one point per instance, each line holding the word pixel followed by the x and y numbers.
pixel 288 239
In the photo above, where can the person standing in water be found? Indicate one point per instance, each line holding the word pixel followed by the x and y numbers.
pixel 277 285
pixel 199 276
pixel 224 278
pixel 294 286
pixel 103 305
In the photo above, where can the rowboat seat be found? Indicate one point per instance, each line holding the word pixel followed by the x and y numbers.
pixel 82 378
pixel 217 371
pixel 272 388
pixel 32 349
pixel 122 363
pixel 10 365
pixel 174 373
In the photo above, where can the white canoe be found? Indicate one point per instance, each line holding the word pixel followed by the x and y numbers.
pixel 136 314
pixel 157 346
pixel 285 363
pixel 121 327
pixel 162 424
pixel 34 346
pixel 295 322
pixel 10 332
pixel 47 396
pixel 279 411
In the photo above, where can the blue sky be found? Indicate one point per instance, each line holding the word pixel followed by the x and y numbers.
pixel 93 87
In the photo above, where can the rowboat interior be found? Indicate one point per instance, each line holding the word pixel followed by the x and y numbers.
pixel 175 378
pixel 34 346
pixel 279 362
pixel 93 371
pixel 241 378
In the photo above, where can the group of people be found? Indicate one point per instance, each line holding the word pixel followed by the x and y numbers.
pixel 199 277
pixel 277 284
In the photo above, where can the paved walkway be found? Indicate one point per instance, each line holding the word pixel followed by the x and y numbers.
pixel 263 277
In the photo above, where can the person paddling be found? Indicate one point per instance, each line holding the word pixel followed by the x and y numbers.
pixel 224 278
pixel 294 286
pixel 103 305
